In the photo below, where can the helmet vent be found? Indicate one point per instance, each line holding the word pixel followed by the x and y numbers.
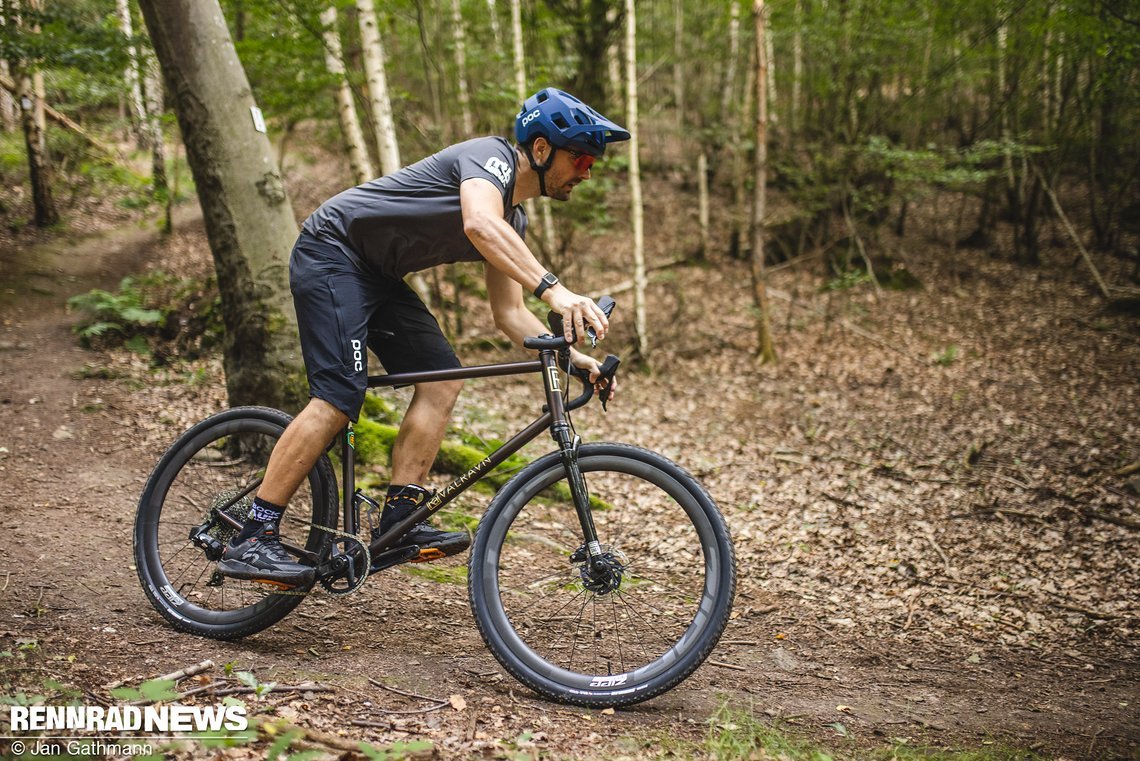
pixel 560 121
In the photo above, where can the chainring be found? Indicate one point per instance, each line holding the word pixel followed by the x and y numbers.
pixel 355 560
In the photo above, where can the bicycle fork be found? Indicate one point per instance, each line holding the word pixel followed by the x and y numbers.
pixel 568 445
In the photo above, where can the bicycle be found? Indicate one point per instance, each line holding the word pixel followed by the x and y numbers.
pixel 601 574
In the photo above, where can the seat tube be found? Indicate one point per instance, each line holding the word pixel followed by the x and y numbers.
pixel 348 480
pixel 568 444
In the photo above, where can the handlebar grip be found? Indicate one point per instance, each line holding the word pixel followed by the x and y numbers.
pixel 557 326
pixel 608 369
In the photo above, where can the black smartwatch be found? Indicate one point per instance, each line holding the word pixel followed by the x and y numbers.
pixel 547 280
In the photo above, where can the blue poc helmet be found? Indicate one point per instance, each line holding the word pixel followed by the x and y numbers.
pixel 565 122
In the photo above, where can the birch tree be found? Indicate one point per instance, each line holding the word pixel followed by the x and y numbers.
pixel 765 349
pixel 461 68
pixel 547 225
pixel 136 108
pixel 45 213
pixel 358 158
pixel 9 112
pixel 372 52
pixel 637 216
pixel 153 105
pixel 249 221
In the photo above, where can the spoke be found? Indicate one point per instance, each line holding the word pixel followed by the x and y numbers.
pixel 621 656
pixel 577 628
pixel 634 612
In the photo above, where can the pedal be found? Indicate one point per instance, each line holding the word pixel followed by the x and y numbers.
pixel 428 555
pixel 275 584
pixel 394 557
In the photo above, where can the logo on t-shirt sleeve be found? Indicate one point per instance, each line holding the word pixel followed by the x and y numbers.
pixel 499 168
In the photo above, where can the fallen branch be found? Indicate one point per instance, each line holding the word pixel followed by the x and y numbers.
pixel 724 665
pixel 412 695
pixel 197 668
pixel 1073 234
pixel 1128 470
pixel 1123 522
pixel 65 121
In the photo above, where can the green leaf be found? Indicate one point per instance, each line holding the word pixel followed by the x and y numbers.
pixel 282 743
pixel 126 693
pixel 158 689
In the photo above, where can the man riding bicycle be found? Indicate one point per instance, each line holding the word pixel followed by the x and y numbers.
pixel 346 275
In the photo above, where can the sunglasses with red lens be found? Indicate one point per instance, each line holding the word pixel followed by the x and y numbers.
pixel 582 161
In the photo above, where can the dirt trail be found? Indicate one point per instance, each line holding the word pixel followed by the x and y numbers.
pixel 75 450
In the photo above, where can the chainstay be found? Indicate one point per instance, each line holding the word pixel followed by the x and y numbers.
pixel 317 586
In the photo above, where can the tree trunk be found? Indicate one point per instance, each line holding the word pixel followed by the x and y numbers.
pixel 249 221
pixel 155 103
pixel 372 50
pixel 358 158
pixel 496 34
pixel 9 112
pixel 797 71
pixel 137 109
pixel 546 225
pixel 636 212
pixel 679 71
pixel 765 350
pixel 703 201
pixel 39 162
pixel 461 68
pixel 433 82
pixel 613 63
pixel 733 53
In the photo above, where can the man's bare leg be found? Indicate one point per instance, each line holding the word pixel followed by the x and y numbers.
pixel 422 431
pixel 298 449
pixel 416 447
pixel 256 551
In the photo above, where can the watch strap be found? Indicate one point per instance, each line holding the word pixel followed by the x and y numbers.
pixel 547 281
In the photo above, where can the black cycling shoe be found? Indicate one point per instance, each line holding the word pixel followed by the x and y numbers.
pixel 433 543
pixel 262 558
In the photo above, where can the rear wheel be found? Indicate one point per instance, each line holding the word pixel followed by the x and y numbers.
pixel 211 472
pixel 622 627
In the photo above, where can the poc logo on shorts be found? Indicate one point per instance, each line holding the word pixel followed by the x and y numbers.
pixel 357 356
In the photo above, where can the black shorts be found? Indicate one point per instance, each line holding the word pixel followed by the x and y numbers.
pixel 343 310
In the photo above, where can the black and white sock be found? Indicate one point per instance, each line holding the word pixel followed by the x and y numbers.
pixel 261 513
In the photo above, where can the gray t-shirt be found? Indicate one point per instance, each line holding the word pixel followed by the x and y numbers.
pixel 411 220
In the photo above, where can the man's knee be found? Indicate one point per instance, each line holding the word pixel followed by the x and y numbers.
pixel 440 393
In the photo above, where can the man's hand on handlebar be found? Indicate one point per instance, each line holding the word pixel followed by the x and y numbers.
pixel 577 312
pixel 587 363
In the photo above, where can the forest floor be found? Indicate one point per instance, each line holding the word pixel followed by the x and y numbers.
pixel 929 493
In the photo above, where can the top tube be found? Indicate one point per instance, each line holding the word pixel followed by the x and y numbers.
pixel 456 373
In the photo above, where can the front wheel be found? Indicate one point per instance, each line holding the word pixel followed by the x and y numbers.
pixel 615 630
pixel 201 487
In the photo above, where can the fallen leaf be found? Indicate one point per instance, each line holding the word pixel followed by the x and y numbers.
pixel 457 702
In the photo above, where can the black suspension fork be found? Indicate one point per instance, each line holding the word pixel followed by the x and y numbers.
pixel 568 444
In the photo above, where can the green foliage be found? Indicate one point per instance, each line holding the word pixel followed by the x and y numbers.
pixel 147 310
pixel 106 312
pixel 737 734
pixel 395 751
pixel 155 690
pixel 846 280
pixel 946 357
